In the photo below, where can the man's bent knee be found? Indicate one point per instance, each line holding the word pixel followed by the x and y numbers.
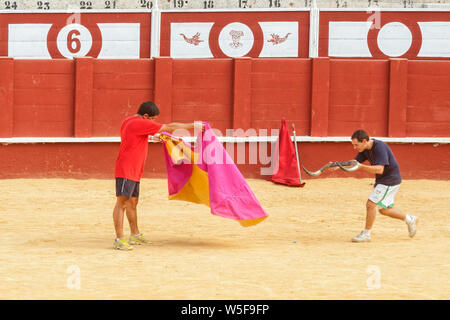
pixel 371 205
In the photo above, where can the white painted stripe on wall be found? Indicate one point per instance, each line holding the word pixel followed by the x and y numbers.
pixel 439 140
pixel 348 39
pixel 179 48
pixel 120 40
pixel 28 41
pixel 435 39
pixel 288 48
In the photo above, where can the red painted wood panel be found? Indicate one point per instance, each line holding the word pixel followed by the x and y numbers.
pixel 76 160
pixel 276 80
pixel 281 88
pixel 120 86
pixel 163 88
pixel 84 82
pixel 111 107
pixel 276 65
pixel 242 84
pixel 44 66
pixel 43 95
pixel 398 84
pixel 320 96
pixel 188 113
pixel 271 112
pixel 124 81
pixel 428 99
pixel 359 97
pixel 203 90
pixel 189 80
pixel 44 80
pixel 43 98
pixel 6 97
pixel 221 66
pixel 119 65
pixel 201 96
pixel 363 113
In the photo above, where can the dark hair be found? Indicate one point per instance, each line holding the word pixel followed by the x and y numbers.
pixel 360 135
pixel 148 107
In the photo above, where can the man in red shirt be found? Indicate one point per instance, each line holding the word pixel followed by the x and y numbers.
pixel 134 135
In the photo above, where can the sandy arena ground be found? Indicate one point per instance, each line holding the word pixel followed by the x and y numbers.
pixel 55 232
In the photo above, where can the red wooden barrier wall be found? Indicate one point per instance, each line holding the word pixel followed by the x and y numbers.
pixel 43 98
pixel 323 97
pixel 97 160
pixel 359 97
pixel 280 88
pixel 203 91
pixel 428 99
pixel 119 87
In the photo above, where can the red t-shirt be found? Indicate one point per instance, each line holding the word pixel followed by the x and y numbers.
pixel 134 134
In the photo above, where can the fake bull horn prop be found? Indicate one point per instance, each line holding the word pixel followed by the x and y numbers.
pixel 341 164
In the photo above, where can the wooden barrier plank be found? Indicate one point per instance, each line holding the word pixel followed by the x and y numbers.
pixel 123 80
pixel 42 96
pixel 398 84
pixel 186 113
pixel 427 129
pixel 44 66
pixel 84 79
pixel 116 66
pixel 242 104
pixel 44 81
pixel 274 65
pixel 224 66
pixel 277 111
pixel 6 97
pixel 203 81
pixel 163 85
pixel 320 95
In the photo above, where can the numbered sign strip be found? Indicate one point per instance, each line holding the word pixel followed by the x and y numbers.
pixel 85 5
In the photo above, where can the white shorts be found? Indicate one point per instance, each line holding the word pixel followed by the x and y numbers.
pixel 384 195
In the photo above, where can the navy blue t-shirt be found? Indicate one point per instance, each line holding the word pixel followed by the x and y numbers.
pixel 381 154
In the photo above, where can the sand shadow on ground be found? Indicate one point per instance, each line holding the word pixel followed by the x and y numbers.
pixel 103 243
pixel 196 243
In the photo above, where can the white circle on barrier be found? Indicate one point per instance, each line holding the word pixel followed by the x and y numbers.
pixel 394 39
pixel 74 40
pixel 236 39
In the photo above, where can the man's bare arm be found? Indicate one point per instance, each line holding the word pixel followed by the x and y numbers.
pixel 377 169
pixel 171 127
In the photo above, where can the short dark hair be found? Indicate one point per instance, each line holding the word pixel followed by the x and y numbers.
pixel 360 135
pixel 148 107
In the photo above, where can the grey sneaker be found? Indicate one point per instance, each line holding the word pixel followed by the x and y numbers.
pixel 362 237
pixel 412 228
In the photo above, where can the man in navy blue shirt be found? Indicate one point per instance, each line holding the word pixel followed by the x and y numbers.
pixel 387 182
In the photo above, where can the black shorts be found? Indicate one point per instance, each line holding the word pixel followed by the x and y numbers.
pixel 127 188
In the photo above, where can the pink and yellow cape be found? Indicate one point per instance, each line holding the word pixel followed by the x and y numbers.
pixel 204 173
